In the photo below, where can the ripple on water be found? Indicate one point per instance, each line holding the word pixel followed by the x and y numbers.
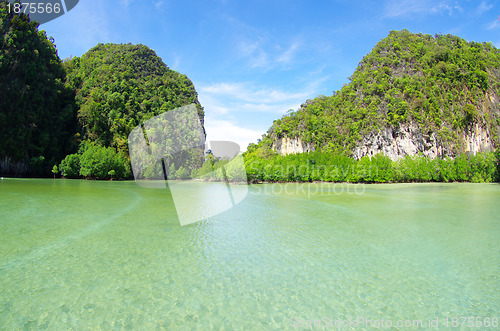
pixel 112 255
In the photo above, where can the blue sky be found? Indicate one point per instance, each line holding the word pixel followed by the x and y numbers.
pixel 252 61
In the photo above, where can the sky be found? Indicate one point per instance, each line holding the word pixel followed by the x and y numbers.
pixel 252 61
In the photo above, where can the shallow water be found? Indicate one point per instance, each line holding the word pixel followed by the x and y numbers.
pixel 112 255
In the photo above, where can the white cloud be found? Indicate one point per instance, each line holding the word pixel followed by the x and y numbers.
pixel 260 60
pixel 443 7
pixel 209 102
pixel 229 131
pixel 224 101
pixel 176 62
pixel 397 8
pixel 247 48
pixel 253 106
pixel 402 8
pixel 247 93
pixel 271 108
pixel 288 54
pixel 267 55
pixel 483 7
pixel 495 24
pixel 158 4
pixel 125 3
pixel 254 52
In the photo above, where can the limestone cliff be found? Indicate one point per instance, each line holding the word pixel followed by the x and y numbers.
pixel 410 140
pixel 286 145
pixel 412 94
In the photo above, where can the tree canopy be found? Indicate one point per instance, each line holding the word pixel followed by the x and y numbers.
pixel 36 107
pixel 119 86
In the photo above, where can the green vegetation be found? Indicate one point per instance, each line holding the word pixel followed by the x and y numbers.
pixel 36 106
pixel 95 161
pixel 214 169
pixel 121 86
pixel 442 84
pixel 55 170
pixel 70 166
pixel 328 167
pixel 75 117
pixel 49 109
pixel 117 88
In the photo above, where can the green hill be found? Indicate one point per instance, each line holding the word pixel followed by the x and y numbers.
pixel 36 108
pixel 86 105
pixel 118 87
pixel 438 85
pixel 414 94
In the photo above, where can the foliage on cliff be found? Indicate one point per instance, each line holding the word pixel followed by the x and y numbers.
pixel 90 103
pixel 120 86
pixel 117 87
pixel 443 84
pixel 36 108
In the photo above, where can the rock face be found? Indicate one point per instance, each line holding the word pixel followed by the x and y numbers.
pixel 410 140
pixel 478 140
pixel 288 145
pixel 407 139
pixel 13 168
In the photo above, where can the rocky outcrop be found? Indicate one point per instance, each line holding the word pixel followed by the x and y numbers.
pixel 8 167
pixel 286 145
pixel 410 140
pixel 477 139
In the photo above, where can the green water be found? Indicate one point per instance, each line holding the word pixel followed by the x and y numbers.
pixel 111 255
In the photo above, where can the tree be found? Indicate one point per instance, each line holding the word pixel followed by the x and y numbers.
pixel 36 109
pixel 182 173
pixel 206 169
pixel 112 173
pixel 55 171
pixel 171 172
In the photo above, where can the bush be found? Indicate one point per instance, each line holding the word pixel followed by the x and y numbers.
pixel 235 171
pixel 97 162
pixel 462 167
pixel 447 170
pixel 205 171
pixel 382 165
pixel 70 166
pixel 325 166
pixel 497 160
pixel 182 173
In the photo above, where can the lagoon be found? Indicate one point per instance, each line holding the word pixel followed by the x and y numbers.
pixel 112 255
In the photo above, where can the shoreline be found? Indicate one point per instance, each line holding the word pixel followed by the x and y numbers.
pixel 249 182
pixel 370 183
